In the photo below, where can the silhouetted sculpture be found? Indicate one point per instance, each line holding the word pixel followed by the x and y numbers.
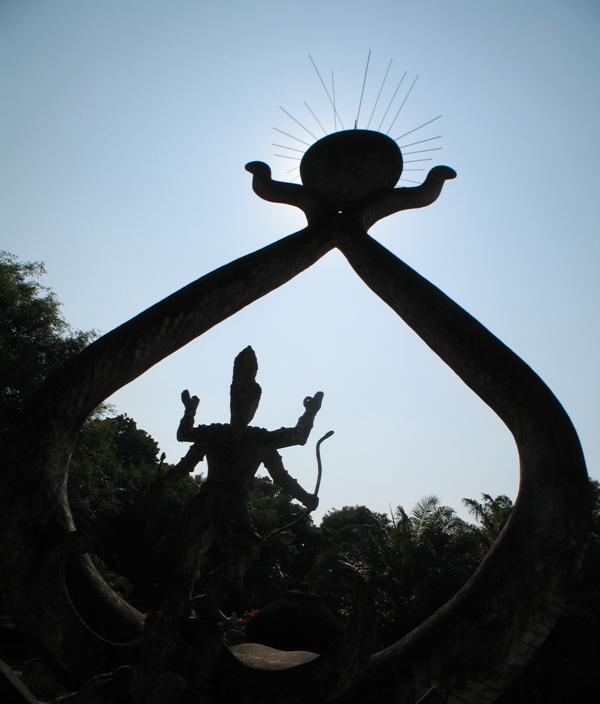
pixel 473 647
pixel 234 452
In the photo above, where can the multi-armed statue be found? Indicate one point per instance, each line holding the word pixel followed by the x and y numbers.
pixel 219 511
pixel 472 648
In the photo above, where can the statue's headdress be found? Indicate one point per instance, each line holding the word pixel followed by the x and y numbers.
pixel 245 391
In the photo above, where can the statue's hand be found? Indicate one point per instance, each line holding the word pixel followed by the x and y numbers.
pixel 190 402
pixel 312 501
pixel 313 403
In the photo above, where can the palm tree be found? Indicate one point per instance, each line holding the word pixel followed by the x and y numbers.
pixel 427 518
pixel 491 514
pixel 437 552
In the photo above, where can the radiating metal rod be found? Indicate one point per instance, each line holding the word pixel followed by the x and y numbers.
pixel 422 141
pixel 422 151
pixel 363 90
pixel 291 136
pixel 292 149
pixel 417 128
pixel 400 108
pixel 391 101
pixel 379 94
pixel 316 118
pixel 298 123
pixel 332 101
pixel 335 112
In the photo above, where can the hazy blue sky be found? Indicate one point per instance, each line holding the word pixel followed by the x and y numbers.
pixel 125 127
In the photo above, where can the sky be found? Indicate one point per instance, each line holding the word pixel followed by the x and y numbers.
pixel 125 126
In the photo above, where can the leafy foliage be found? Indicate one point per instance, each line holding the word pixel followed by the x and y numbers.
pixel 134 534
pixel 285 557
pixel 413 563
pixel 113 463
pixel 362 539
pixel 491 514
pixel 437 552
pixel 109 461
pixel 35 340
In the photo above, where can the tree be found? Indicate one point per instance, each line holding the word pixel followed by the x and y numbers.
pixel 133 534
pixel 112 461
pixel 427 519
pixel 437 553
pixel 491 515
pixel 34 337
pixel 359 537
pixel 286 556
